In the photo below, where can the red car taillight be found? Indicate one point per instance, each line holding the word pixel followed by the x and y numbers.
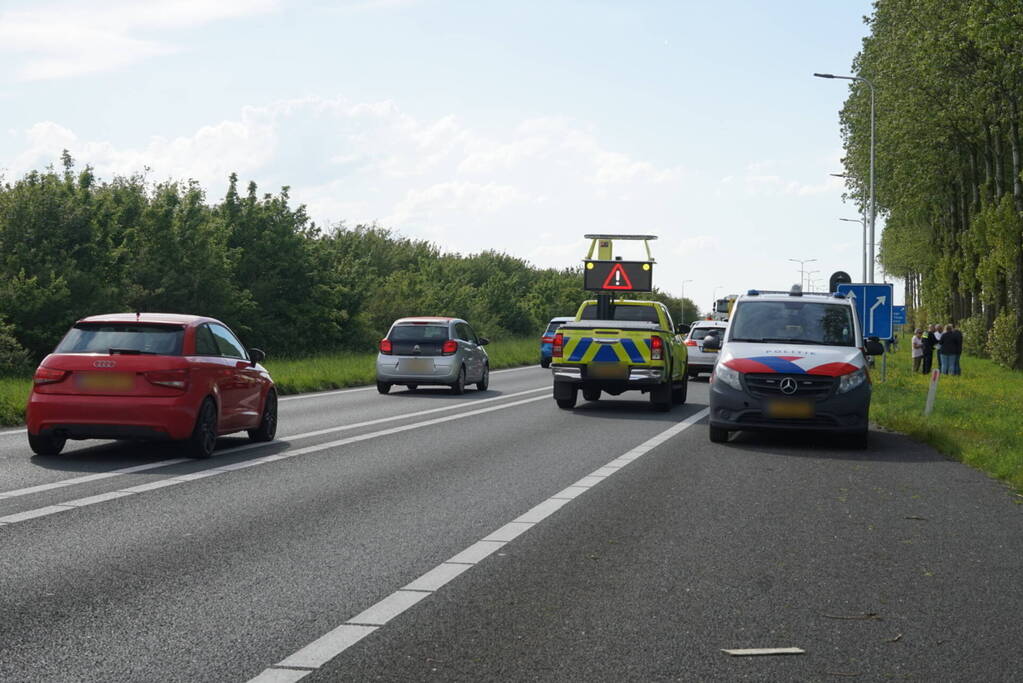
pixel 385 346
pixel 656 348
pixel 49 376
pixel 449 347
pixel 174 379
pixel 546 340
pixel 558 345
pixel 690 342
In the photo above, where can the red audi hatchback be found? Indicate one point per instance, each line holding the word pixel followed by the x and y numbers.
pixel 150 376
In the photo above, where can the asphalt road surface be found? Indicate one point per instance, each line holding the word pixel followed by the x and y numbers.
pixel 491 536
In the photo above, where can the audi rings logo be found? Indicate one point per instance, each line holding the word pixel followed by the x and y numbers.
pixel 788 386
pixel 103 363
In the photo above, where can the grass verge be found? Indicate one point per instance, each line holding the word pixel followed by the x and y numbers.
pixel 976 418
pixel 299 375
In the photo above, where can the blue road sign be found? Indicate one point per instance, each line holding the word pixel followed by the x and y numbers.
pixel 874 306
pixel 898 315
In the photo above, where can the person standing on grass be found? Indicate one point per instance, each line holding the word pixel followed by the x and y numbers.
pixel 952 348
pixel 928 349
pixel 918 349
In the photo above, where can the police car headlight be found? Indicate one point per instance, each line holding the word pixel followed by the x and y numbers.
pixel 725 374
pixel 852 380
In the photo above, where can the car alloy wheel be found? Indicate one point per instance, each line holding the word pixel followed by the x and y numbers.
pixel 267 428
pixel 204 436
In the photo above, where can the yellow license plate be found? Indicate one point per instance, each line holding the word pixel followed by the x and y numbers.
pixel 106 381
pixel 607 371
pixel 789 409
pixel 417 365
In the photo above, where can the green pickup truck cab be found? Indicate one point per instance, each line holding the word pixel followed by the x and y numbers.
pixel 638 348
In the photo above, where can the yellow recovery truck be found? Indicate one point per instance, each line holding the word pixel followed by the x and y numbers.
pixel 618 345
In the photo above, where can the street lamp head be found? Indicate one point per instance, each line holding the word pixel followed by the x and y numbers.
pixel 824 75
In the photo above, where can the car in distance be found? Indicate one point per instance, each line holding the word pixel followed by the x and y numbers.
pixel 432 350
pixel 547 340
pixel 792 361
pixel 702 359
pixel 150 376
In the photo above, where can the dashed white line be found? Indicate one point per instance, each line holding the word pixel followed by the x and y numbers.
pixel 75 481
pixel 322 650
pixel 181 479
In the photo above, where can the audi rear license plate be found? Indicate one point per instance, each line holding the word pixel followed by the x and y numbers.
pixel 105 381
pixel 416 365
pixel 789 409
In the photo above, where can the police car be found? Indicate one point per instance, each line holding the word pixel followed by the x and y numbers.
pixel 792 361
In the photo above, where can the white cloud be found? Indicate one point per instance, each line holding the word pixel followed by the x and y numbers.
pixel 757 181
pixel 531 186
pixel 60 40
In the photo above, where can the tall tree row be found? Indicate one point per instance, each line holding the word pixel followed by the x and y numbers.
pixel 949 97
pixel 72 246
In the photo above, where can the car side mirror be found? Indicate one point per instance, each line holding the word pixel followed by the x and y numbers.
pixel 483 341
pixel 682 328
pixel 872 347
pixel 256 356
pixel 712 342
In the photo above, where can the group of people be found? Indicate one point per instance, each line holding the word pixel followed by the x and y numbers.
pixel 947 342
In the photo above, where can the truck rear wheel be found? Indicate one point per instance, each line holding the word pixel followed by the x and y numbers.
pixel 565 395
pixel 678 396
pixel 660 397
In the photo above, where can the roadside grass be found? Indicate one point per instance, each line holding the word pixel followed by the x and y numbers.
pixel 976 418
pixel 13 395
pixel 336 371
pixel 300 375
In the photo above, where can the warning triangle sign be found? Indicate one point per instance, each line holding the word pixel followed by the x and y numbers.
pixel 618 278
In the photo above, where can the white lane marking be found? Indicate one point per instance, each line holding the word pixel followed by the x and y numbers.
pixel 335 392
pixel 437 577
pixel 74 481
pixel 281 676
pixel 320 651
pixel 73 504
pixel 89 477
pixel 388 608
pixel 329 646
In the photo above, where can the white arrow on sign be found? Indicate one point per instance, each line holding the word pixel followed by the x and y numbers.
pixel 879 302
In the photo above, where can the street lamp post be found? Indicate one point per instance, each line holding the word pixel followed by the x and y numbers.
pixel 863 251
pixel 809 279
pixel 683 297
pixel 801 262
pixel 873 207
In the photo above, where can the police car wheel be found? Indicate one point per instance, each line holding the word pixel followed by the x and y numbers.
pixel 545 363
pixel 591 394
pixel 718 435
pixel 861 440
pixel 566 403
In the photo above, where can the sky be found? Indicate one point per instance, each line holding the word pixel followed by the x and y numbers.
pixel 512 126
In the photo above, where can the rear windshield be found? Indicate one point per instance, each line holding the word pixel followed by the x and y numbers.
pixel 701 332
pixel 796 322
pixel 419 333
pixel 553 327
pixel 640 313
pixel 164 340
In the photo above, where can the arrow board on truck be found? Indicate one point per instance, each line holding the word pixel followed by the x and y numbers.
pixel 618 276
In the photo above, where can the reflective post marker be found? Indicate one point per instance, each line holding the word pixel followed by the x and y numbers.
pixel 931 391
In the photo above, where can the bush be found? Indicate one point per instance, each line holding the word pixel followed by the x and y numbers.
pixel 975 336
pixel 13 356
pixel 1001 344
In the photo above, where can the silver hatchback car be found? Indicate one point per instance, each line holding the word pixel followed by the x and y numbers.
pixel 432 350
